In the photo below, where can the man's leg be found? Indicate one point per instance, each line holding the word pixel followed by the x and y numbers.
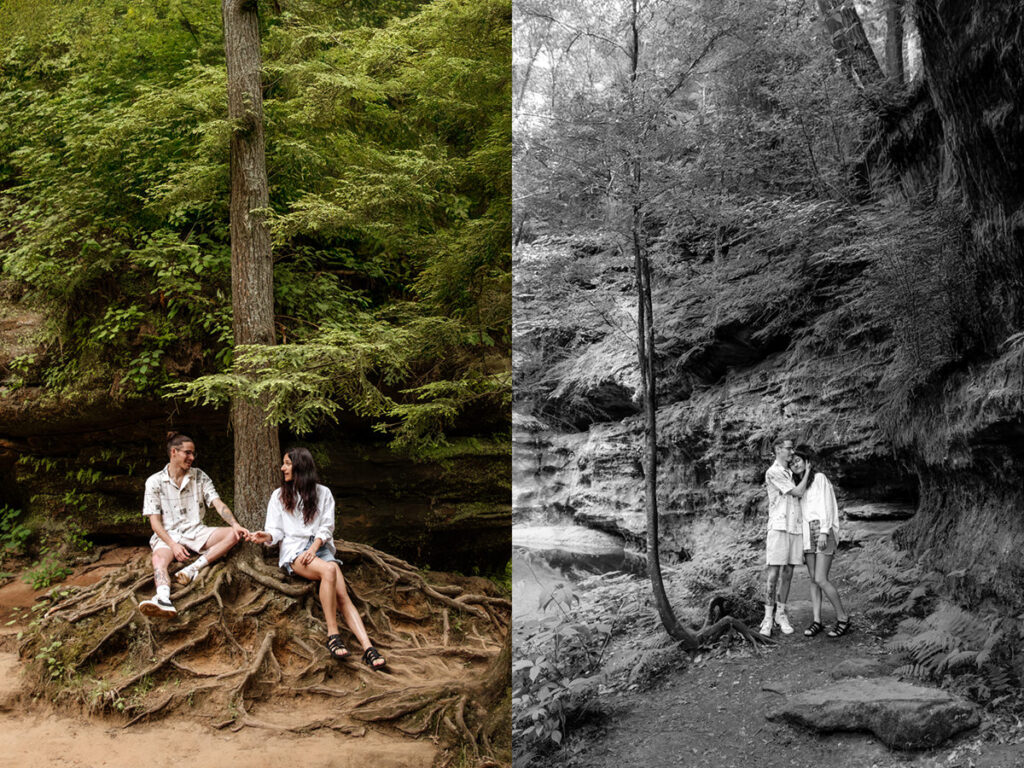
pixel 219 544
pixel 160 604
pixel 784 582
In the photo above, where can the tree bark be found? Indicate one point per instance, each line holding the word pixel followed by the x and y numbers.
pixel 894 41
pixel 257 451
pixel 846 34
pixel 645 355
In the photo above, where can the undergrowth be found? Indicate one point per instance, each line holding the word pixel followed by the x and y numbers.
pixel 974 653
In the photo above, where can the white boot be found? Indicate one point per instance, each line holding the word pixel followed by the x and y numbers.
pixel 766 624
pixel 782 619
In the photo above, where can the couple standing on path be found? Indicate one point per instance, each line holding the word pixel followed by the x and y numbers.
pixel 803 527
pixel 300 516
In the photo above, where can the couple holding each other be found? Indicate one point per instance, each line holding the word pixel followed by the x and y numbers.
pixel 300 516
pixel 803 526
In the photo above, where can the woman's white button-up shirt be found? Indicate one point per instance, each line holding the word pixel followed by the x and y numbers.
pixel 293 534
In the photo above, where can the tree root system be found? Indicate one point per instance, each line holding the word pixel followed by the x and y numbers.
pixel 247 650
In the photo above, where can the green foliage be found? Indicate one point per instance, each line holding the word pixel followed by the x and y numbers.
pixel 52 659
pixel 14 535
pixel 388 152
pixel 45 571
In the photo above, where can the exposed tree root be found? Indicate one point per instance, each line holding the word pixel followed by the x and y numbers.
pixel 247 650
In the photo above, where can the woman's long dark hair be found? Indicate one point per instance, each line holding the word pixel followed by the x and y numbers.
pixel 302 485
pixel 804 452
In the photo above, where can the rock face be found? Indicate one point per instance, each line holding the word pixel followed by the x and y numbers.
pixel 901 715
pixel 88 463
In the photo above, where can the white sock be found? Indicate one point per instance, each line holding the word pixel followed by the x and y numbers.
pixel 164 591
pixel 768 608
pixel 780 608
pixel 198 565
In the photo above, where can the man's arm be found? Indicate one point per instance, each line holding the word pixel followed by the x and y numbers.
pixel 226 515
pixel 797 491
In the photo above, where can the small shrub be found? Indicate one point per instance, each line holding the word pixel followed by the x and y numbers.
pixel 13 534
pixel 46 571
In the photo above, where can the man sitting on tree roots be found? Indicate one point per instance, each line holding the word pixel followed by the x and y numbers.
pixel 176 498
pixel 785 545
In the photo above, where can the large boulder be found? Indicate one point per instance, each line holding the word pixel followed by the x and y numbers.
pixel 901 715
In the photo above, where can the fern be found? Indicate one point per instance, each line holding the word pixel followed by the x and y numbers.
pixel 970 653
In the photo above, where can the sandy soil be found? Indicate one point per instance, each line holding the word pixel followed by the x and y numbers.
pixel 35 738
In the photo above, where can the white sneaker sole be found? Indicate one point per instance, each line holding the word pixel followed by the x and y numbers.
pixel 149 608
pixel 182 578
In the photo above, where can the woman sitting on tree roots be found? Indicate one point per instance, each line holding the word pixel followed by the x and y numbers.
pixel 821 537
pixel 300 516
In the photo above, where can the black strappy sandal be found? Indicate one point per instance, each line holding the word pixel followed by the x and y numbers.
pixel 370 655
pixel 840 629
pixel 336 648
pixel 814 629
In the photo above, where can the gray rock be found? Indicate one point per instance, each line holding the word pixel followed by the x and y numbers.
pixel 878 510
pixel 901 715
pixel 858 668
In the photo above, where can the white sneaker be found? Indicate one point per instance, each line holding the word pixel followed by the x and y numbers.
pixel 766 626
pixel 783 621
pixel 185 576
pixel 158 606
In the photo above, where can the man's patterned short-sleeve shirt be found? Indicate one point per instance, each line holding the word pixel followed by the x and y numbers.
pixel 182 508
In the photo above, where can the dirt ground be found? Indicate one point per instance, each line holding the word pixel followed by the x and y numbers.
pixel 712 714
pixel 35 733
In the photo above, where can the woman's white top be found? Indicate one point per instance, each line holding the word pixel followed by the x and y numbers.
pixel 819 503
pixel 289 529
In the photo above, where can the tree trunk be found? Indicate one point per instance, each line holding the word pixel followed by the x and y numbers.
pixel 645 355
pixel 894 41
pixel 846 34
pixel 257 451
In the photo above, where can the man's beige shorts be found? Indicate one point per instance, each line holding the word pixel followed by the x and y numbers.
pixel 195 543
pixel 785 548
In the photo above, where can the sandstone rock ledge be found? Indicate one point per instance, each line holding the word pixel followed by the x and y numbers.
pixel 901 715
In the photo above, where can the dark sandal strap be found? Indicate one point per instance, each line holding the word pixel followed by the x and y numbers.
pixel 371 655
pixel 813 629
pixel 840 629
pixel 336 648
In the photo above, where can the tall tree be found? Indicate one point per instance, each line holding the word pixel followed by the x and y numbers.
pixel 252 268
pixel 894 41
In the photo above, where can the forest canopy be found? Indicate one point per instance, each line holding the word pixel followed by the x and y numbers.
pixel 388 152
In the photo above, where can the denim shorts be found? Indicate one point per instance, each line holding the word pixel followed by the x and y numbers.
pixel 323 553
pixel 831 544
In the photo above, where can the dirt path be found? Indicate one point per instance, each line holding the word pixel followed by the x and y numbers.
pixel 712 714
pixel 33 733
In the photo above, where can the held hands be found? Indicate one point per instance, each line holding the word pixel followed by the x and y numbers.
pixel 260 537
pixel 242 531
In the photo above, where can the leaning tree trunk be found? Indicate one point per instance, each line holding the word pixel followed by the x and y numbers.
pixel 257 451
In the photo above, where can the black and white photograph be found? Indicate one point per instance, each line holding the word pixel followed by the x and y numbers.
pixel 768 372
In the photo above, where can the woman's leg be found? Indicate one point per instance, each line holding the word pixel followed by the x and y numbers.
pixel 821 578
pixel 327 574
pixel 809 559
pixel 348 609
